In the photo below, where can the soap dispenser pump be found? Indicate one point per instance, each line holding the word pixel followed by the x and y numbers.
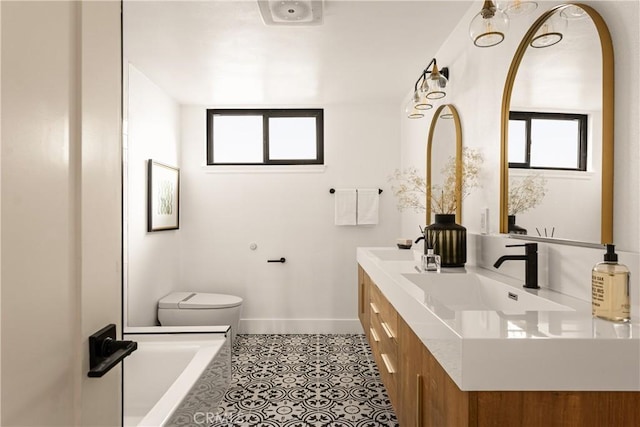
pixel 610 289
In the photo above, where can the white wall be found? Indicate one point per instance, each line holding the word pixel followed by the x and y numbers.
pixel 288 214
pixel 153 132
pixel 476 87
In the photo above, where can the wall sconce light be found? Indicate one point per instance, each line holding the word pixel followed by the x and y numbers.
pixel 573 13
pixel 412 110
pixel 515 8
pixel 488 27
pixel 550 32
pixel 430 86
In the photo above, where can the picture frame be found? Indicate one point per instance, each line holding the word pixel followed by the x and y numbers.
pixel 163 197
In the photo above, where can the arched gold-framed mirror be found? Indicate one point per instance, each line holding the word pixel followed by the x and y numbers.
pixel 604 197
pixel 445 133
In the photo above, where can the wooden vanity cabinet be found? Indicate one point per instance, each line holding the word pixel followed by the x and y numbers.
pixel 363 299
pixel 424 395
pixel 427 395
pixel 381 326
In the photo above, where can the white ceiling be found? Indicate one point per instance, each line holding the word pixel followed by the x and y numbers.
pixel 220 52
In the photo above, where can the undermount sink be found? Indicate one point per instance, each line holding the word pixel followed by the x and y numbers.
pixel 393 254
pixel 473 292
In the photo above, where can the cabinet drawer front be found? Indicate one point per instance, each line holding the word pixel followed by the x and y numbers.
pixel 386 312
pixel 387 368
pixel 390 348
pixel 376 328
pixel 374 335
pixel 384 345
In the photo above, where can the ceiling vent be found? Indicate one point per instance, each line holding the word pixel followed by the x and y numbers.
pixel 288 12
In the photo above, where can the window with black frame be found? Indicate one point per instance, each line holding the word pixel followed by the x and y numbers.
pixel 547 141
pixel 265 136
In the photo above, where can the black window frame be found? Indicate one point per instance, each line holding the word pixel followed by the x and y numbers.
pixel 528 116
pixel 266 114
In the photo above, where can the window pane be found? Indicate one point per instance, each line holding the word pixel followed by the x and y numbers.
pixel 292 138
pixel 554 143
pixel 237 139
pixel 517 141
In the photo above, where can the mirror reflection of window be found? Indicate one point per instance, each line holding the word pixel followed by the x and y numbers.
pixel 556 144
pixel 517 142
pixel 548 141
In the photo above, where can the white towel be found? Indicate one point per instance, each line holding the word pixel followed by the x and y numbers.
pixel 368 202
pixel 346 206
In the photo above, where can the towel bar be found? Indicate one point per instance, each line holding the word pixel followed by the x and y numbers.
pixel 333 190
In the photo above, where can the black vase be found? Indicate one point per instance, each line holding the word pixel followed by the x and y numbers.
pixel 449 240
pixel 513 228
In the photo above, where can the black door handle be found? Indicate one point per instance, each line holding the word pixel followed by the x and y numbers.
pixel 282 260
pixel 105 351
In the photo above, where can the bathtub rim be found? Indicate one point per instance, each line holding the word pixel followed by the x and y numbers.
pixel 171 399
pixel 162 330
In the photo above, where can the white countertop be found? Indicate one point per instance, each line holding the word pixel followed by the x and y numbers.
pixel 495 350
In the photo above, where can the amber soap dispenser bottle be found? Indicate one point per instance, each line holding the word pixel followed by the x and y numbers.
pixel 610 289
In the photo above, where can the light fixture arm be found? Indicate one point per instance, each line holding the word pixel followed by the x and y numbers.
pixel 430 86
pixel 444 71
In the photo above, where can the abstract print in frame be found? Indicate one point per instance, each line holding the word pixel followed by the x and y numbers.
pixel 163 197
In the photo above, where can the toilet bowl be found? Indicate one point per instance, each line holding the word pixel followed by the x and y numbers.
pixel 200 309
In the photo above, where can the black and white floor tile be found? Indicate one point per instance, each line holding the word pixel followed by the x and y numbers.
pixel 304 381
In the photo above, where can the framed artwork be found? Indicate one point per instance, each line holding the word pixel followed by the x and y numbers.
pixel 163 197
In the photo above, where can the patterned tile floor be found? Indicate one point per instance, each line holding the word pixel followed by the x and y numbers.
pixel 304 381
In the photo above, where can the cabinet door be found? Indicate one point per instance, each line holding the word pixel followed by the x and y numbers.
pixel 445 403
pixel 363 300
pixel 412 377
pixel 428 396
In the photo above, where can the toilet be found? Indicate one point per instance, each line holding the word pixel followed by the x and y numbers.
pixel 200 309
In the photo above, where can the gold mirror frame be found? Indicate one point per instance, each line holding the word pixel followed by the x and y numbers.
pixel 458 189
pixel 606 223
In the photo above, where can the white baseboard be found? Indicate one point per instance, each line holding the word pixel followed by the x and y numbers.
pixel 300 326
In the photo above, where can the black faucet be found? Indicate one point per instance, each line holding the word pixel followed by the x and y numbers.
pixel 530 259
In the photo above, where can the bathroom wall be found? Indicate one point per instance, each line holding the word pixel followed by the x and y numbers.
pixel 476 86
pixel 288 212
pixel 152 131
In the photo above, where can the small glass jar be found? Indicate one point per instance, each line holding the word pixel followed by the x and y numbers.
pixel 431 261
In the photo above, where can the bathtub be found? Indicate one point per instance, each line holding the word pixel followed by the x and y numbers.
pixel 177 374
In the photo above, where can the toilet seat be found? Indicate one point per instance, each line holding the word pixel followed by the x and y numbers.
pixel 198 300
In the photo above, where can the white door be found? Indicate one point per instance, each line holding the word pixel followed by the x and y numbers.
pixel 60 209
